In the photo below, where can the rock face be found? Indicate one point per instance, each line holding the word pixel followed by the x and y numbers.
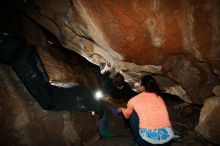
pixel 24 122
pixel 209 120
pixel 67 68
pixel 178 39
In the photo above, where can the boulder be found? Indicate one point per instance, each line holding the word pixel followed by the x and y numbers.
pixel 24 122
pixel 209 120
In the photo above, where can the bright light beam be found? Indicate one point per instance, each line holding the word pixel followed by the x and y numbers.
pixel 98 94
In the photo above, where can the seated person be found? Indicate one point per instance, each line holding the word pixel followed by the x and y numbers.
pixel 148 115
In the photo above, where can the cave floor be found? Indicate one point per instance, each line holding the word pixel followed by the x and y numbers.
pixel 114 141
pixel 126 141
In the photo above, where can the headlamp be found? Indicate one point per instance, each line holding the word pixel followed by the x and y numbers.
pixel 98 94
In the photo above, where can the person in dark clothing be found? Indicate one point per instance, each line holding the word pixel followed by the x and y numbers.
pixel 117 88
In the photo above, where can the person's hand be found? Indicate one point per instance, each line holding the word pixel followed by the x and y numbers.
pixel 105 67
pixel 120 109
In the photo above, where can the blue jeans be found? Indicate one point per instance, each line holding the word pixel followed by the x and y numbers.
pixel 134 124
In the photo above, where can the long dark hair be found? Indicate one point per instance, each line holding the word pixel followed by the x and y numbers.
pixel 150 84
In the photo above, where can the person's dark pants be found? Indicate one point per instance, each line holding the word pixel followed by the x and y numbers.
pixel 134 124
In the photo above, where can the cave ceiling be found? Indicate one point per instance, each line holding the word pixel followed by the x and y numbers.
pixel 177 41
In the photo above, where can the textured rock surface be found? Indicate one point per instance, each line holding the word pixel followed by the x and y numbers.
pixel 179 39
pixel 67 68
pixel 209 120
pixel 23 122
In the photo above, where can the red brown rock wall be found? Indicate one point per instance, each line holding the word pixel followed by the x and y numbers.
pixel 154 29
pixel 132 35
